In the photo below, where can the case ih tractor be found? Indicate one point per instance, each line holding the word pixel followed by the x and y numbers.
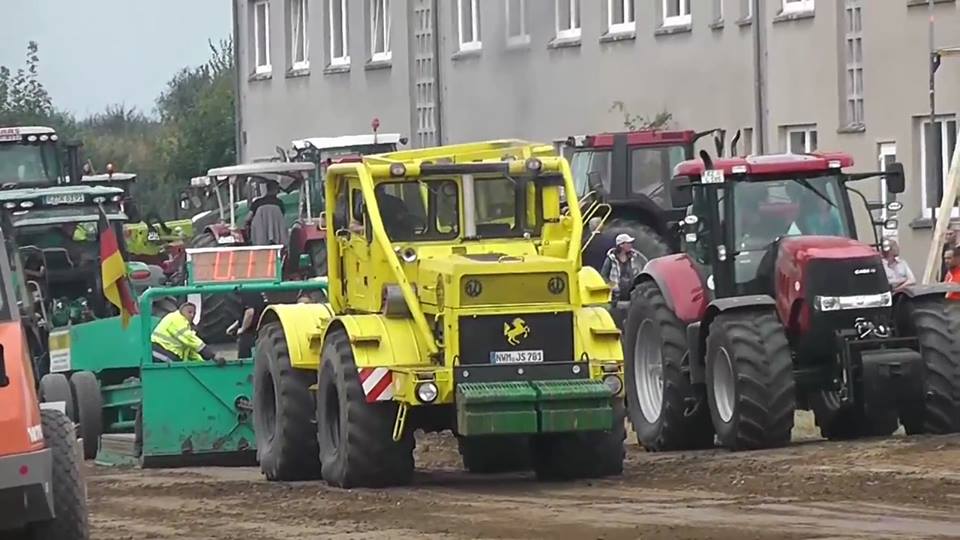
pixel 775 305
pixel 630 172
pixel 457 301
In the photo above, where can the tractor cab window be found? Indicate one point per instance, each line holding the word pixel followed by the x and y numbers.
pixel 650 168
pixel 506 207
pixel 585 162
pixel 766 211
pixel 28 163
pixel 417 211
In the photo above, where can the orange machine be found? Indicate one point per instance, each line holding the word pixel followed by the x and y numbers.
pixel 42 495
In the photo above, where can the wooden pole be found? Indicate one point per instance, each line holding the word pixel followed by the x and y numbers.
pixel 943 218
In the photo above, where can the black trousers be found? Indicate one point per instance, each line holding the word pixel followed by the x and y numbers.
pixel 245 343
pixel 163 356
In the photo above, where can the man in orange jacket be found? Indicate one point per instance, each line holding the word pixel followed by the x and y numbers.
pixel 953 271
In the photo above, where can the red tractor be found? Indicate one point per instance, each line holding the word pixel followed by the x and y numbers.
pixel 774 305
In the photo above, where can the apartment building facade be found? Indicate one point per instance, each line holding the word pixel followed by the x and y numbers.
pixel 792 75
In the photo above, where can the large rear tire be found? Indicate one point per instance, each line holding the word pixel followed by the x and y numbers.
pixel 592 454
pixel 318 257
pixel 356 438
pixel 494 454
pixel 666 410
pixel 163 306
pixel 217 311
pixel 56 387
pixel 750 382
pixel 69 493
pixel 935 321
pixel 283 411
pixel 86 391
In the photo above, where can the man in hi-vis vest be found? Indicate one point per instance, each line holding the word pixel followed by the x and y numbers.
pixel 174 339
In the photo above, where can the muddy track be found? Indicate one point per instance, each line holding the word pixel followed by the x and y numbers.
pixel 892 488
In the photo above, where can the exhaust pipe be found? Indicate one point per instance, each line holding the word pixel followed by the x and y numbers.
pixel 734 143
pixel 74 171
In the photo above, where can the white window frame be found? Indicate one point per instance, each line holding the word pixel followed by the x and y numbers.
pixel 797 6
pixel 807 139
pixel 474 43
pixel 261 65
pixel 718 10
pixel 574 30
pixel 853 67
pixel 380 8
pixel 629 23
pixel 885 150
pixel 944 156
pixel 344 59
pixel 751 133
pixel 684 18
pixel 523 38
pixel 302 38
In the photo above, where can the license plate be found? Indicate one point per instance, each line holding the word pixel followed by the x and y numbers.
pixel 67 198
pixel 516 357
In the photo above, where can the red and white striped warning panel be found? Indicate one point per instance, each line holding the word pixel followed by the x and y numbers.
pixel 377 384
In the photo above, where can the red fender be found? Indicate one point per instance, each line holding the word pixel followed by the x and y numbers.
pixel 681 285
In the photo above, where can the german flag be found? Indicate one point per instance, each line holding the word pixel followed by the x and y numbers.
pixel 114 271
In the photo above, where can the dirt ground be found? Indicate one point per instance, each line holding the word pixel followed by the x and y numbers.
pixel 892 488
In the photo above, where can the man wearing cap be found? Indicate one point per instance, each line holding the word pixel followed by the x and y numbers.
pixel 621 266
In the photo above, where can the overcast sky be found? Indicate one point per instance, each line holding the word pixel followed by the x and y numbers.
pixel 94 53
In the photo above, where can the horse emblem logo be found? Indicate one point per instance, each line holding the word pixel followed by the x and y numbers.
pixel 516 331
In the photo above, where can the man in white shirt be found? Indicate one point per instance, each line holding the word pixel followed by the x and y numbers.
pixel 898 271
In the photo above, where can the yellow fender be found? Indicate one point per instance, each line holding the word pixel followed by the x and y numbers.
pixel 378 341
pixel 599 336
pixel 303 326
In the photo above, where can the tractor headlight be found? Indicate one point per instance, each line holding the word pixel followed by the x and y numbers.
pixel 534 165
pixel 26 204
pixel 862 301
pixel 9 205
pixel 427 392
pixel 614 383
pixel 398 170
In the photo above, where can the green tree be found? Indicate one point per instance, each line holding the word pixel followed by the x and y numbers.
pixel 636 122
pixel 23 98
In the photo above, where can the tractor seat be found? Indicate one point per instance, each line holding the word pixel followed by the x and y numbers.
pixel 58 259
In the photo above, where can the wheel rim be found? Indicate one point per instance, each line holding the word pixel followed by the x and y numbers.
pixel 724 385
pixel 648 375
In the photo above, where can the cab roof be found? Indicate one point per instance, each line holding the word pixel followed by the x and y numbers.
pixel 346 141
pixel 263 167
pixel 466 153
pixel 115 177
pixel 648 137
pixel 32 193
pixel 770 164
pixel 17 133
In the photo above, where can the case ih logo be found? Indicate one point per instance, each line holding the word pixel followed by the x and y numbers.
pixel 864 271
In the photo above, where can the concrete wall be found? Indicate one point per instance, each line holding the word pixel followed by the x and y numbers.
pixel 704 75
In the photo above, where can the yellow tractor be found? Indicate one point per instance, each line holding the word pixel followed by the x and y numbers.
pixel 457 301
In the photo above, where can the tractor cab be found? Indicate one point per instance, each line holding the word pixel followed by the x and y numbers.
pixel 29 157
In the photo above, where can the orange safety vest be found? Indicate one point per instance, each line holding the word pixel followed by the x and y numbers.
pixel 953 276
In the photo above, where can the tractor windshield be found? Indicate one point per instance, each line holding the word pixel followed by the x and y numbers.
pixel 424 210
pixel 28 164
pixel 506 207
pixel 590 161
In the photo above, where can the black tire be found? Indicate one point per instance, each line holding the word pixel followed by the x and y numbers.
pixel 683 422
pixel 592 454
pixel 850 422
pixel 494 454
pixel 69 492
pixel 356 438
pixel 55 387
pixel 86 391
pixel 318 257
pixel 750 369
pixel 217 311
pixel 646 240
pixel 283 411
pixel 935 321
pixel 163 306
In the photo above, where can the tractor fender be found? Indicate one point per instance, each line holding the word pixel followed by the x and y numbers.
pixel 379 341
pixel 598 336
pixel 594 290
pixel 682 286
pixel 697 331
pixel 917 291
pixel 302 326
pixel 217 230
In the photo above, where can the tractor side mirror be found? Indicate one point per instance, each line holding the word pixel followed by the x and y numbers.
pixel 681 193
pixel 896 180
pixel 689 228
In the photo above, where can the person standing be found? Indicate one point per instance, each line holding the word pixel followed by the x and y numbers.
pixel 898 271
pixel 621 266
pixel 253 305
pixel 953 272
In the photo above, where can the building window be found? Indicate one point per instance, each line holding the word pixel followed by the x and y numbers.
pixel 568 19
pixel 801 140
pixel 746 10
pixel 853 52
pixel 797 6
pixel 748 144
pixel 517 22
pixel 468 24
pixel 676 12
pixel 935 162
pixel 380 31
pixel 620 16
pixel 261 35
pixel 887 155
pixel 339 51
pixel 717 10
pixel 299 42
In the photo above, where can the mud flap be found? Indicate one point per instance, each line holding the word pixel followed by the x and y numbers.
pixel 197 413
pixel 893 378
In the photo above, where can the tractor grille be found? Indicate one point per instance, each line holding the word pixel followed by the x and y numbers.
pixel 551 333
pixel 830 277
